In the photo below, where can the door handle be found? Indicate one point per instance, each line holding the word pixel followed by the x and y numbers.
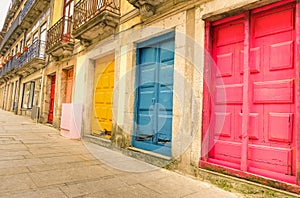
pixel 153 100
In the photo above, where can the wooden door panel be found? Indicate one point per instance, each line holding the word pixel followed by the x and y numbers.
pixel 256 60
pixel 273 90
pixel 281 55
pixel 52 98
pixel 228 92
pixel 255 126
pixel 154 97
pixel 225 130
pixel 280 127
pixel 103 97
pixel 272 22
pixel 233 32
pixel 271 128
pixel 69 86
pixel 225 64
pixel 227 151
pixel 270 159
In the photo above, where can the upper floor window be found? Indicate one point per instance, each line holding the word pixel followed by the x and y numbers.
pixel 35 37
pixel 21 46
pixel 28 42
pixel 68 8
pixel 43 32
pixel 68 12
pixel 43 35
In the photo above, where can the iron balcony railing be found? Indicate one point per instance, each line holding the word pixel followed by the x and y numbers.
pixel 59 32
pixel 9 66
pixel 17 21
pixel 85 10
pixel 36 50
pixel 12 28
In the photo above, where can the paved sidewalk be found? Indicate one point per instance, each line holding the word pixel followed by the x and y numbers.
pixel 35 161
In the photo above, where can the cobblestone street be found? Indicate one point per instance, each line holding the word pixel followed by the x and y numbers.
pixel 37 162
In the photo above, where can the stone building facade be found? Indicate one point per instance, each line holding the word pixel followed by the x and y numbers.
pixel 165 80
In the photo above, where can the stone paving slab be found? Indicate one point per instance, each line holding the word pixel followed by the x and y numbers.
pixel 35 161
pixel 51 177
pixel 14 153
pixel 13 171
pixel 18 163
pixel 80 189
pixel 46 155
pixel 62 166
pixel 45 193
pixel 135 191
pixel 15 182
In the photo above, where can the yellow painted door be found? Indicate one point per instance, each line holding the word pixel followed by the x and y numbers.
pixel 103 97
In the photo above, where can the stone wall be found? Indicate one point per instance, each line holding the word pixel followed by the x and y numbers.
pixel 186 19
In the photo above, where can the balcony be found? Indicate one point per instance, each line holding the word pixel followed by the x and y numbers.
pixel 59 41
pixel 147 7
pixel 6 43
pixel 9 66
pixel 95 19
pixel 15 5
pixel 24 21
pixel 30 61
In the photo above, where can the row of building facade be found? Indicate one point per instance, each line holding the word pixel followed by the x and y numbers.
pixel 213 84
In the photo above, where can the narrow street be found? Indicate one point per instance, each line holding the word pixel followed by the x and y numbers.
pixel 35 161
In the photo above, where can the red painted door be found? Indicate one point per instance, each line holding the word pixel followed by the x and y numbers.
pixel 228 86
pixel 52 97
pixel 272 79
pixel 271 148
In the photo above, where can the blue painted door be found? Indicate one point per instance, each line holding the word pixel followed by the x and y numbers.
pixel 154 95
